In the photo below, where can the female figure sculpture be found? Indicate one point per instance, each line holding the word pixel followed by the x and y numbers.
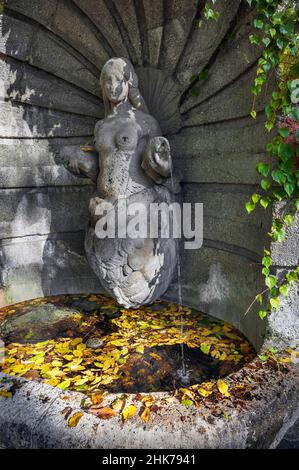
pixel 130 161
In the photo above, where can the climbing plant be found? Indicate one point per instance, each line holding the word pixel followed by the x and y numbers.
pixel 275 31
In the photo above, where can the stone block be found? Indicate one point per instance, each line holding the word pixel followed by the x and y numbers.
pixel 43 211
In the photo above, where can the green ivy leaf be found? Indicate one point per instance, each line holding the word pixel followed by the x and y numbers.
pixel 255 197
pixel 284 151
pixel 284 132
pixel 270 281
pixel 278 176
pixel 250 207
pixel 284 290
pixel 258 23
pixel 267 261
pixel 262 314
pixel 265 184
pixel 289 188
pixel 275 303
pixel 263 169
pixel 253 114
pixel 289 219
pixel 264 203
pixel 265 271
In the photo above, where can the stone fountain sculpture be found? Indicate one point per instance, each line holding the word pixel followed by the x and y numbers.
pixel 130 161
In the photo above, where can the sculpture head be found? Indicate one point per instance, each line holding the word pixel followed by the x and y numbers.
pixel 119 83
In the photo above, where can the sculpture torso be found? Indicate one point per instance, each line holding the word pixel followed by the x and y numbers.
pixel 121 140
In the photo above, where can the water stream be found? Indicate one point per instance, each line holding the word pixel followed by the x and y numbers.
pixel 183 373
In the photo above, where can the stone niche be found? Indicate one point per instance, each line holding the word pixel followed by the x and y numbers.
pixel 52 53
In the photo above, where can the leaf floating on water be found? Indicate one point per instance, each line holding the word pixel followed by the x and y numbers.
pixel 146 414
pixel 140 349
pixel 65 384
pixel 223 388
pixel 103 413
pixel 129 412
pixel 205 348
pixel 74 420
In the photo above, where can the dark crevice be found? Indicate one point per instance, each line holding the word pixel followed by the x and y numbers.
pixel 51 137
pixel 95 30
pixel 58 39
pixel 259 114
pixel 194 25
pixel 233 249
pixel 164 15
pixel 222 121
pixel 122 30
pixel 231 31
pixel 50 235
pixel 142 25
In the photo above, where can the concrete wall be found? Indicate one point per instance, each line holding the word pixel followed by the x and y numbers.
pixel 51 59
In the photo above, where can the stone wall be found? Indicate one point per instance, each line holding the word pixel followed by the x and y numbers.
pixel 51 58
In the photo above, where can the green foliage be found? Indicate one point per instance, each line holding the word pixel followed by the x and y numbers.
pixel 275 31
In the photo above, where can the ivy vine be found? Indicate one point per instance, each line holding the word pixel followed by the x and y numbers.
pixel 275 30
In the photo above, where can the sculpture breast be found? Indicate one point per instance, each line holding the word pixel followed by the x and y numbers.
pixel 133 164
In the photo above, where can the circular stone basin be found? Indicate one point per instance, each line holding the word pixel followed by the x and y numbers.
pixel 89 343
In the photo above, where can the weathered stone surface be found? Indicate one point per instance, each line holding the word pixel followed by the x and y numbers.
pixel 235 101
pixel 124 13
pixel 153 11
pixel 256 426
pixel 223 153
pixel 45 265
pixel 225 218
pixel 204 41
pixel 35 162
pixel 233 60
pixel 23 120
pixel 40 48
pixel 61 18
pixel 283 324
pixel 221 282
pixel 105 22
pixel 23 83
pixel 286 253
pixel 178 21
pixel 38 324
pixel 43 211
pixel 291 439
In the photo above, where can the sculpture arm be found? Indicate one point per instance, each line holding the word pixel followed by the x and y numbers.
pixel 157 159
pixel 81 161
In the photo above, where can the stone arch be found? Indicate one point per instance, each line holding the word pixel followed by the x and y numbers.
pixel 51 60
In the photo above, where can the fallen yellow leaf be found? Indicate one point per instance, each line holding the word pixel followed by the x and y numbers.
pixel 129 412
pixel 223 388
pixel 74 420
pixel 146 414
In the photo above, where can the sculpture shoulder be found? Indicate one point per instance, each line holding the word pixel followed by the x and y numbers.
pixel 150 125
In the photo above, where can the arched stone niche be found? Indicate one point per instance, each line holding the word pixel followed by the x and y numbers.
pixel 52 53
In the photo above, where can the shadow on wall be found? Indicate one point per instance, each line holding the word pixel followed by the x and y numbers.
pixel 43 208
